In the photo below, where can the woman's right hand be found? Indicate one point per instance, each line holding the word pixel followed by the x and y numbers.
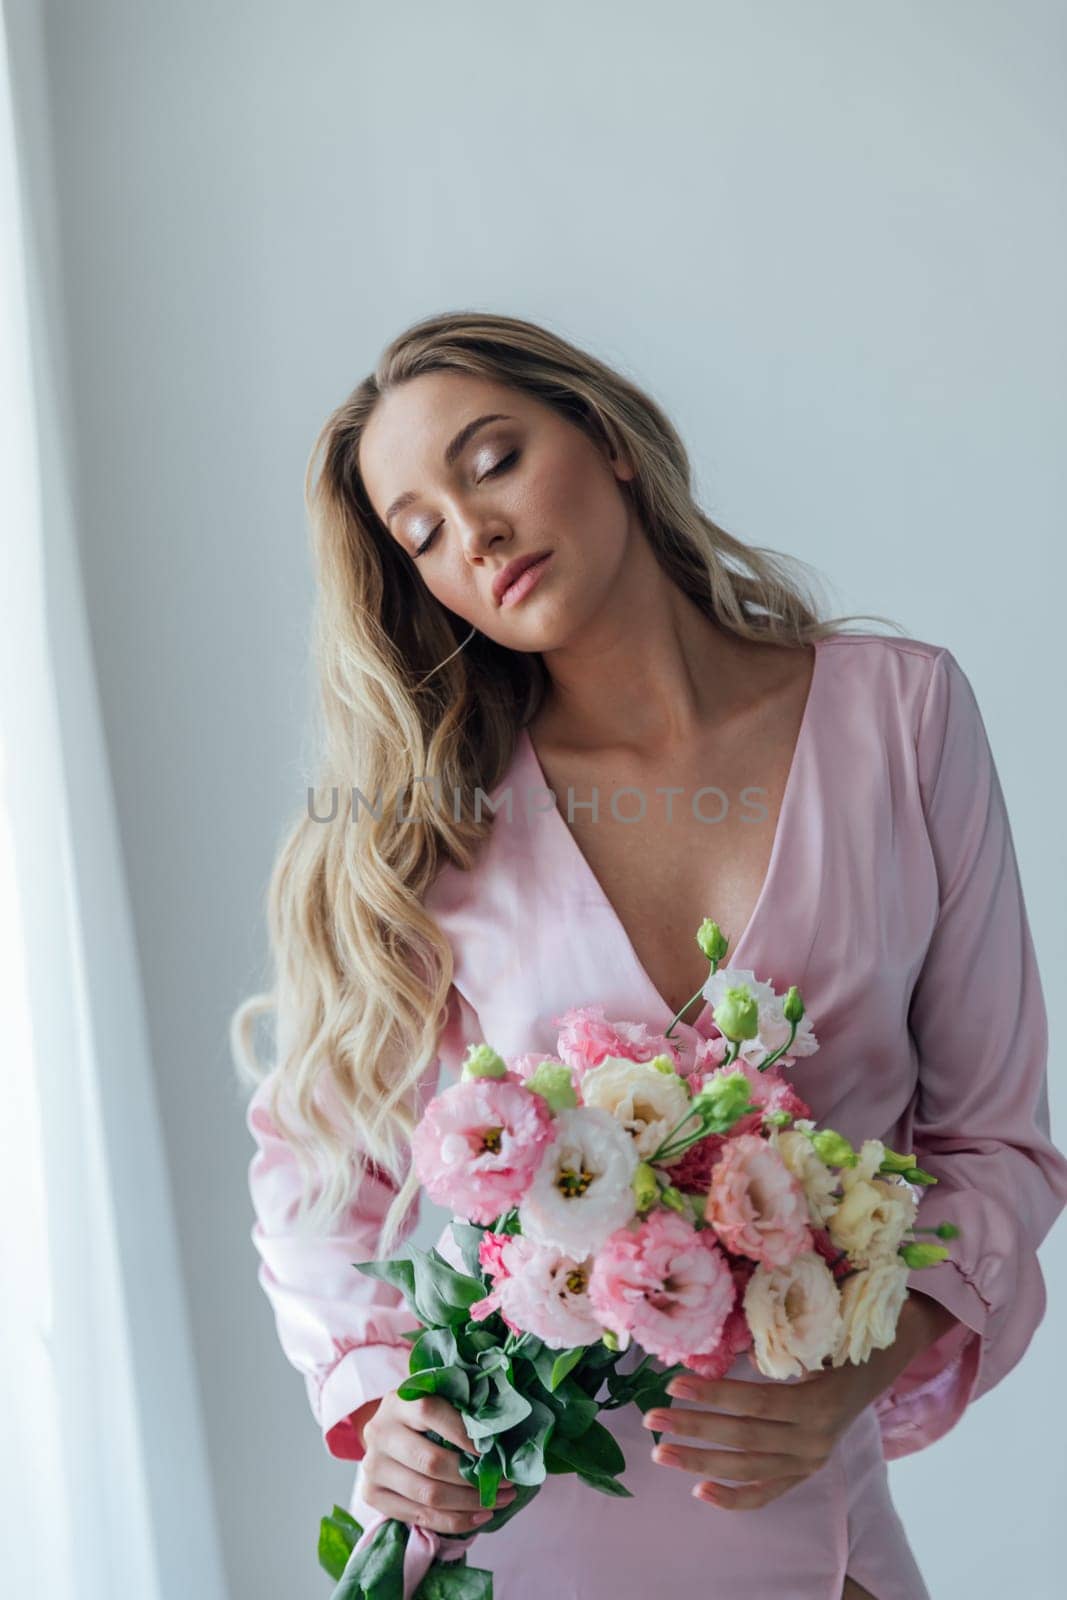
pixel 408 1476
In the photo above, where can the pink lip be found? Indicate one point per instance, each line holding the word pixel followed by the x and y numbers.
pixel 509 589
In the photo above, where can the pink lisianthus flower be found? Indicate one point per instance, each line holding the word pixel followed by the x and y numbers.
pixel 478 1145
pixel 586 1038
pixel 736 1335
pixel 540 1290
pixel 755 1204
pixel 666 1283
pixel 491 1253
pixel 491 1248
pixel 710 1053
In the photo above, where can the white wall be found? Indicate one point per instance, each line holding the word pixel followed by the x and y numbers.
pixel 826 236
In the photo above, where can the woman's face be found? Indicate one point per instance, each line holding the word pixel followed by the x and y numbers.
pixel 466 496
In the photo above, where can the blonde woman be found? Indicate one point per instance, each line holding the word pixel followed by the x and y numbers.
pixel 518 595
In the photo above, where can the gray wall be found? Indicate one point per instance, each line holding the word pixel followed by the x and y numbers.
pixel 825 236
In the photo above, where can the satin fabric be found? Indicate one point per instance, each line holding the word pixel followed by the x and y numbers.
pixel 893 900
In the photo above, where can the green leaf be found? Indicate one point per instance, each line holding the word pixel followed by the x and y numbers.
pixel 570 1405
pixel 435 1348
pixel 502 1514
pixel 454 1580
pixel 504 1408
pixel 556 1461
pixel 452 1383
pixel 652 1390
pixel 523 1447
pixel 400 1273
pixel 377 1571
pixel 338 1534
pixel 596 1451
pixel 479 1393
pixel 468 1237
pixel 542 1359
pixel 606 1485
pixel 442 1296
pixel 489 1472
pixel 494 1359
pixel 646 1386
pixel 563 1364
pixel 478 1337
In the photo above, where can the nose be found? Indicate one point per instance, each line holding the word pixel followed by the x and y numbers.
pixel 481 536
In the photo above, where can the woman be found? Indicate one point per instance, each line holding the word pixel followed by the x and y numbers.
pixel 518 595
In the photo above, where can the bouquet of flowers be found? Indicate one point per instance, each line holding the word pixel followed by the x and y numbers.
pixel 629 1190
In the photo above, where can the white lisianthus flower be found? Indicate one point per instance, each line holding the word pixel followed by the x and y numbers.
pixel 773 1028
pixel 870 1308
pixel 646 1102
pixel 795 1315
pixel 872 1216
pixel 817 1180
pixel 583 1188
pixel 871 1154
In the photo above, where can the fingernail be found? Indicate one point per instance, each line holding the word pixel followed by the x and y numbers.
pixel 482 1516
pixel 654 1419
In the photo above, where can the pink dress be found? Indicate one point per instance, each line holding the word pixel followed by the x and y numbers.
pixel 893 901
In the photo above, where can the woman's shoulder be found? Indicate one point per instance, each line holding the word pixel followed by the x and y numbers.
pixel 882 649
pixel 892 669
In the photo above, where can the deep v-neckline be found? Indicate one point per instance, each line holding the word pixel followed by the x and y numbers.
pixel 574 853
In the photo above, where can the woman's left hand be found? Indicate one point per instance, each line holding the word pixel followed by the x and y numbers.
pixel 771 1436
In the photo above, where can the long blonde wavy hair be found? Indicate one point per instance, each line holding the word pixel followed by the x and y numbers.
pixel 361 972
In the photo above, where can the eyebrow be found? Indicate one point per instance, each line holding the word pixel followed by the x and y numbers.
pixel 452 451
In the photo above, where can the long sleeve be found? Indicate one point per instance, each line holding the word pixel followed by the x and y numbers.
pixel 340 1329
pixel 981 1114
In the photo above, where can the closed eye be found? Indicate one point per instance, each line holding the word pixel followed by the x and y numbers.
pixel 501 466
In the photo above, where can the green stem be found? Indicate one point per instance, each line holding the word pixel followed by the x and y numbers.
pixel 781 1050
pixel 678 1015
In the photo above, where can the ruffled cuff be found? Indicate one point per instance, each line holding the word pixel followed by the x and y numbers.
pixel 936 1387
pixel 361 1375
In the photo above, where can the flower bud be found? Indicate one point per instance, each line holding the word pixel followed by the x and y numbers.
pixel 711 941
pixel 552 1081
pixel 923 1255
pixel 833 1149
pixel 664 1064
pixel 737 1013
pixel 918 1176
pixel 723 1100
pixel 644 1185
pixel 793 1010
pixel 674 1198
pixel 893 1161
pixel 777 1119
pixel 483 1062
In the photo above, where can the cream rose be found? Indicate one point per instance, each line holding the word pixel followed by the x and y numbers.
pixel 872 1217
pixel 648 1103
pixel 870 1307
pixel 818 1181
pixel 795 1315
